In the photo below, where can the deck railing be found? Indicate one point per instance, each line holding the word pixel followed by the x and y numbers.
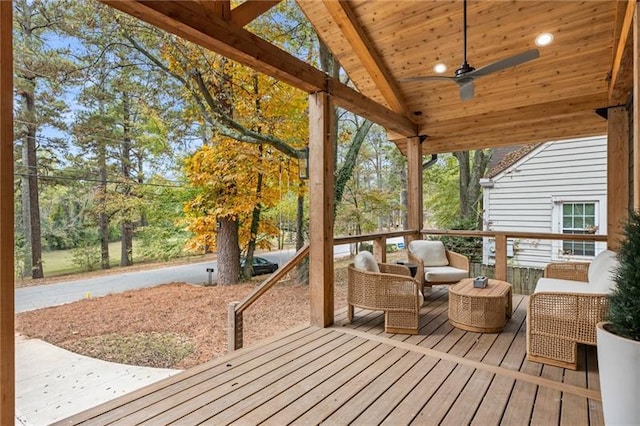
pixel 501 238
pixel 236 309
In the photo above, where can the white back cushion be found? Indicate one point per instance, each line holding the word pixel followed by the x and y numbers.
pixel 601 271
pixel 432 253
pixel 366 262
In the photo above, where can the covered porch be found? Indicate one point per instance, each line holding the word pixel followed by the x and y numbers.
pixel 442 374
pixel 357 374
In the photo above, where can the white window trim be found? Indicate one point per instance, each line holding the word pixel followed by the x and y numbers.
pixel 556 223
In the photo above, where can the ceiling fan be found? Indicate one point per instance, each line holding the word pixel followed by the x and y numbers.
pixel 466 74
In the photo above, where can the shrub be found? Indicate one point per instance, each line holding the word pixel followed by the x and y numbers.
pixel 624 310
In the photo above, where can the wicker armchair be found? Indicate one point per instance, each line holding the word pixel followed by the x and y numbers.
pixel 565 308
pixel 449 269
pixel 391 290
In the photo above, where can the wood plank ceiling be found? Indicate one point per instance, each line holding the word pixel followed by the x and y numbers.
pixel 381 42
pixel 552 97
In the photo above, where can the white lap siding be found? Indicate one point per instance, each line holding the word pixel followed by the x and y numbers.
pixel 523 196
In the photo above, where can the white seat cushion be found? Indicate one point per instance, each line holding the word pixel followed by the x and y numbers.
pixel 555 285
pixel 366 262
pixel 432 253
pixel 444 274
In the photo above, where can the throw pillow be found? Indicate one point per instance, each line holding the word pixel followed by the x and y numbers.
pixel 432 253
pixel 366 262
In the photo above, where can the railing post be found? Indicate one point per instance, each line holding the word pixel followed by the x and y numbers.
pixel 380 249
pixel 234 328
pixel 501 257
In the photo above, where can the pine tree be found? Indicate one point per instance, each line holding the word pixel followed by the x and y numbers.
pixel 624 311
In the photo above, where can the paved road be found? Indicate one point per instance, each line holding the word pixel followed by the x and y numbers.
pixel 36 297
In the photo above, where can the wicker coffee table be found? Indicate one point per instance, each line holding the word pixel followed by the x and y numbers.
pixel 482 310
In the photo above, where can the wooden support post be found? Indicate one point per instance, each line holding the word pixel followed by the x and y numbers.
pixel 501 257
pixel 617 175
pixel 321 192
pixel 380 249
pixel 636 111
pixel 234 328
pixel 414 186
pixel 7 308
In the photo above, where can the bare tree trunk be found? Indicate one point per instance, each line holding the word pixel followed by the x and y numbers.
pixel 255 215
pixel 469 178
pixel 140 180
pixel 31 217
pixel 302 271
pixel 255 223
pixel 126 252
pixel 227 240
pixel 103 217
pixel 463 181
pixel 26 216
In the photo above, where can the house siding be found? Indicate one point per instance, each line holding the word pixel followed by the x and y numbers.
pixel 523 197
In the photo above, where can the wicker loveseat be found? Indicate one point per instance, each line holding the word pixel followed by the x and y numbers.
pixel 436 265
pixel 565 307
pixel 384 287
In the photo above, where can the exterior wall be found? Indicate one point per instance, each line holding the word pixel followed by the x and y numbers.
pixel 528 197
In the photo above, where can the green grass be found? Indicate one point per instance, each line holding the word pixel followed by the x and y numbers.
pixel 60 262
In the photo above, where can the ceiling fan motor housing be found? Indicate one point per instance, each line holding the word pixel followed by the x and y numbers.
pixel 464 68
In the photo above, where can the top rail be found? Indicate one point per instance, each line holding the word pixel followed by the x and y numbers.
pixel 516 234
pixel 368 237
pixel 273 279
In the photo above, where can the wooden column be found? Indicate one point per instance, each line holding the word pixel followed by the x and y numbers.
pixel 321 192
pixel 636 112
pixel 7 343
pixel 414 185
pixel 617 174
pixel 501 257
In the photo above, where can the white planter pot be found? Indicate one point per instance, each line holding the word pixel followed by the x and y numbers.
pixel 619 367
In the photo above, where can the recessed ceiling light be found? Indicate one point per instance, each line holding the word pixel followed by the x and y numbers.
pixel 440 68
pixel 544 39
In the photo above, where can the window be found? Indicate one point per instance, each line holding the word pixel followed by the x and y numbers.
pixel 577 214
pixel 579 218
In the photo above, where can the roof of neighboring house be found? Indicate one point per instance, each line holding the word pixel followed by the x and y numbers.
pixel 503 157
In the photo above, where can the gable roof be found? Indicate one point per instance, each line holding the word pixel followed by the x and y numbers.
pixel 504 157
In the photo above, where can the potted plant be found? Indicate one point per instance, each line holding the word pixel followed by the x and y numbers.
pixel 619 338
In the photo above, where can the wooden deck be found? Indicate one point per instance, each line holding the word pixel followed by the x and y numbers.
pixel 357 374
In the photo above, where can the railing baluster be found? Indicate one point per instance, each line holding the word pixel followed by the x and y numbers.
pixel 380 249
pixel 501 257
pixel 234 328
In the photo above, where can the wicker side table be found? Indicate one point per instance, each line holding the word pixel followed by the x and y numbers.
pixel 482 310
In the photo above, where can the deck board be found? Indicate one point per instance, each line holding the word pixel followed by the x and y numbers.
pixel 358 374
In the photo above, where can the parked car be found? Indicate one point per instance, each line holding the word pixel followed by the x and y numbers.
pixel 261 265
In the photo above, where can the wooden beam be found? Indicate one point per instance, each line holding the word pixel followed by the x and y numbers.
pixel 343 15
pixel 514 116
pixel 321 183
pixel 636 111
pixel 246 12
pixel 7 309
pixel 217 8
pixel 617 175
pixel 414 185
pixel 622 68
pixel 358 103
pixel 466 138
pixel 185 19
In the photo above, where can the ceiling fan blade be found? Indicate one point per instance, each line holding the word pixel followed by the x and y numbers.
pixel 509 62
pixel 466 91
